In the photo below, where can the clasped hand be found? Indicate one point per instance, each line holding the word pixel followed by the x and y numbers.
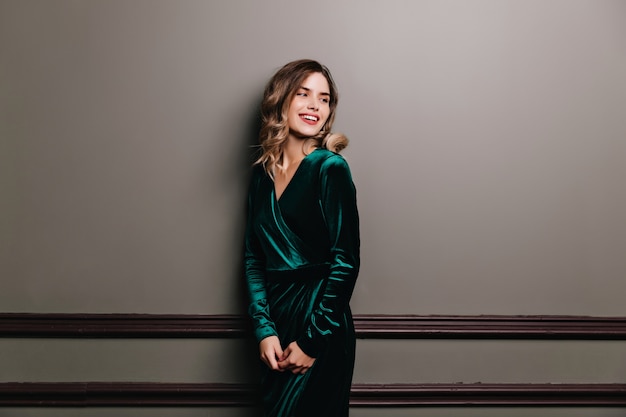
pixel 291 359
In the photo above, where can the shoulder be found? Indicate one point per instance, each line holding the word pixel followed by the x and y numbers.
pixel 257 175
pixel 335 164
pixel 332 166
pixel 257 171
pixel 329 160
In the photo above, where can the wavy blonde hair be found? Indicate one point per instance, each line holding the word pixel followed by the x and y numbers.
pixel 275 106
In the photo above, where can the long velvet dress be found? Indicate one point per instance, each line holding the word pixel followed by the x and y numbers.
pixel 301 264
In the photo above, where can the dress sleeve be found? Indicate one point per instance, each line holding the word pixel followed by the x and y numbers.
pixel 338 204
pixel 254 263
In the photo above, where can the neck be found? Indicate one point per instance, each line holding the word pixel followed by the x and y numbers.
pixel 295 149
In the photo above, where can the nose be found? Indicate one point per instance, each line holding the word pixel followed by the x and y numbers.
pixel 313 104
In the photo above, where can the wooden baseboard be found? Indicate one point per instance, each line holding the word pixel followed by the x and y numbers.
pixel 367 326
pixel 100 394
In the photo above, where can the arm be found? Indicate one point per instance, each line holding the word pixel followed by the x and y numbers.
pixel 338 204
pixel 254 262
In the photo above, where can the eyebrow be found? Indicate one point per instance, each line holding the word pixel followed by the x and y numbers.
pixel 308 89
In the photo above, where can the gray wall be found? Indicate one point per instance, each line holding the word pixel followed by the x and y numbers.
pixel 488 149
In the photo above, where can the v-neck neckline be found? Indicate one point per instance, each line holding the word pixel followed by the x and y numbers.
pixel 295 173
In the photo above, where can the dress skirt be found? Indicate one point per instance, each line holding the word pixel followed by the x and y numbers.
pixel 324 390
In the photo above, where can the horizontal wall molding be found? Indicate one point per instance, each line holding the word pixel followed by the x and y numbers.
pixel 98 394
pixel 367 326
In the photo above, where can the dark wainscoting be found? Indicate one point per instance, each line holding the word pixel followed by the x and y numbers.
pixel 37 325
pixel 98 394
pixel 367 326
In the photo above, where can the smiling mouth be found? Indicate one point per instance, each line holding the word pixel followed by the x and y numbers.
pixel 309 118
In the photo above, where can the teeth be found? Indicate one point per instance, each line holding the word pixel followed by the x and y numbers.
pixel 313 118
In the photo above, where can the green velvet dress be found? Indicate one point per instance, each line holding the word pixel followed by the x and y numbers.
pixel 301 264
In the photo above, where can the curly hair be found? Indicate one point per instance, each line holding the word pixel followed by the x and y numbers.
pixel 274 108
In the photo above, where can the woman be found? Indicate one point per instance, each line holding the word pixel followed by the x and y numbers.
pixel 302 247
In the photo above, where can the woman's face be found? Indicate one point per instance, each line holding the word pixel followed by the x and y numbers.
pixel 310 107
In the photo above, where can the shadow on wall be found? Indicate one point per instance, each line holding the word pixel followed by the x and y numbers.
pixel 246 152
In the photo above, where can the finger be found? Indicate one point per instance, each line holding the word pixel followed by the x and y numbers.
pixel 270 360
pixel 284 354
pixel 299 370
pixel 288 365
pixel 295 370
pixel 278 350
pixel 272 363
